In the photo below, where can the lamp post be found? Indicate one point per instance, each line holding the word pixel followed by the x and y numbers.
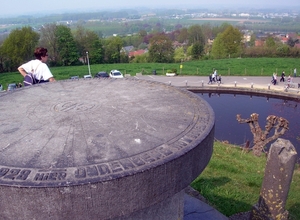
pixel 87 56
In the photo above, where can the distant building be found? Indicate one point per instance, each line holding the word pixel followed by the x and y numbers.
pixel 259 43
pixel 127 49
pixel 284 39
pixel 136 53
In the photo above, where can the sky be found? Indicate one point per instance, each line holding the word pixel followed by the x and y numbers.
pixel 21 7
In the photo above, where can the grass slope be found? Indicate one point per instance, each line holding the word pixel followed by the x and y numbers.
pixel 232 181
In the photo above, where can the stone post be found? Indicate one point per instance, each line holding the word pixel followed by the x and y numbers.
pixel 278 176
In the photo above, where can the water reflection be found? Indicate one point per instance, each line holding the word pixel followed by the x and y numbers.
pixel 226 106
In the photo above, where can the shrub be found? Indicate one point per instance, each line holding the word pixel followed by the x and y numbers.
pixel 172 70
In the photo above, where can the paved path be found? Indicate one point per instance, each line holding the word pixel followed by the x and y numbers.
pixel 260 83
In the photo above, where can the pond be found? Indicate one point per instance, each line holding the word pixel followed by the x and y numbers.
pixel 226 106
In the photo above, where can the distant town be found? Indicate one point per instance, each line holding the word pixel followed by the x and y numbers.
pixel 139 35
pixel 252 19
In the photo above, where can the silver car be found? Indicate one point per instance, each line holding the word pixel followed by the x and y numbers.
pixel 116 74
pixel 11 87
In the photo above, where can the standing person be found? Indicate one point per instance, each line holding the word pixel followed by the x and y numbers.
pixel 219 79
pixel 38 67
pixel 289 80
pixel 282 76
pixel 215 75
pixel 210 79
pixel 274 79
pixel 295 72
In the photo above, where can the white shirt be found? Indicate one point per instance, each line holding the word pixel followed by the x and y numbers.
pixel 39 69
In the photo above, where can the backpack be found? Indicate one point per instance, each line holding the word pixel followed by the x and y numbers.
pixel 29 80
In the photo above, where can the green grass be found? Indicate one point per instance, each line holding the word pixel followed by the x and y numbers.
pixel 233 66
pixel 232 181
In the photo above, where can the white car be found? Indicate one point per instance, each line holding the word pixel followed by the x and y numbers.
pixel 116 74
pixel 87 76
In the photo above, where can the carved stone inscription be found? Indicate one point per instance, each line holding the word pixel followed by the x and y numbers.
pixel 73 107
pixel 104 170
pixel 97 170
pixel 124 164
pixel 50 176
pixel 14 174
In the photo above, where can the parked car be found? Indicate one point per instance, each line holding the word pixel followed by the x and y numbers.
pixel 116 74
pixel 87 76
pixel 101 74
pixel 74 77
pixel 11 87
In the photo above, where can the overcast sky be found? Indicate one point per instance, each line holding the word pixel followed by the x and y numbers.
pixel 25 7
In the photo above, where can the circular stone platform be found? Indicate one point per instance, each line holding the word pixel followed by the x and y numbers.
pixel 99 148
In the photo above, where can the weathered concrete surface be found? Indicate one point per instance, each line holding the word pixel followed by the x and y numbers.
pixel 99 149
pixel 279 171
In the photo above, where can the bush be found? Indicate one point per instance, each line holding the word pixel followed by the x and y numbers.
pixel 172 71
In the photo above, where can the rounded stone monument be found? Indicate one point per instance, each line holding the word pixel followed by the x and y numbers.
pixel 101 149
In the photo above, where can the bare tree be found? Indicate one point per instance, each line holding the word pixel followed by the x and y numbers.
pixel 48 40
pixel 260 138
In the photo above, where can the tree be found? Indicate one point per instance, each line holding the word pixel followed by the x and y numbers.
pixel 113 46
pixel 183 35
pixel 68 54
pixel 48 40
pixel 195 34
pixel 219 29
pixel 88 41
pixel 197 50
pixel 252 40
pixel 232 38
pixel 140 58
pixel 142 34
pixel 218 50
pixel 179 54
pixel 207 31
pixel 196 40
pixel 97 52
pixel 228 43
pixel 261 138
pixel 161 49
pixel 19 46
pixel 270 42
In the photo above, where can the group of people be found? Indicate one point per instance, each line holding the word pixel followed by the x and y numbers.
pixel 214 77
pixel 282 79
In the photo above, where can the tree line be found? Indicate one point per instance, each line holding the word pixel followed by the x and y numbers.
pixel 69 47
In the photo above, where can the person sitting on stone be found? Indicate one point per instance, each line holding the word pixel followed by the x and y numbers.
pixel 38 67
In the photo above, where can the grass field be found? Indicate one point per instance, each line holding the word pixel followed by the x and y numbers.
pixel 232 181
pixel 233 66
